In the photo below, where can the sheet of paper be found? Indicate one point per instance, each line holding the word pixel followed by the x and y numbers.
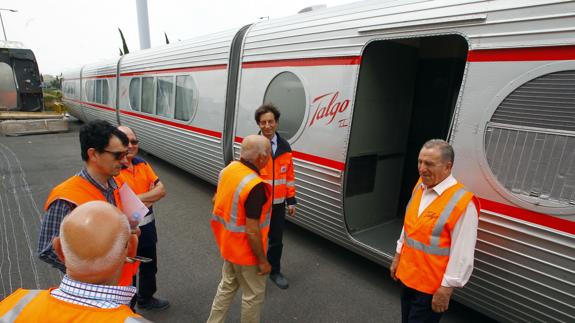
pixel 131 204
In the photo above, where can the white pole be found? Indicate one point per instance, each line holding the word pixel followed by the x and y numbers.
pixel 143 24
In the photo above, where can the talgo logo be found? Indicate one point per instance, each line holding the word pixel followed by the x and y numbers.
pixel 327 107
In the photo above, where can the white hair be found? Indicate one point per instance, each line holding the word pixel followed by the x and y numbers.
pixel 89 266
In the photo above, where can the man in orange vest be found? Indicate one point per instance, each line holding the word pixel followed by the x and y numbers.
pixel 279 172
pixel 94 243
pixel 240 224
pixel 435 250
pixel 103 149
pixel 142 179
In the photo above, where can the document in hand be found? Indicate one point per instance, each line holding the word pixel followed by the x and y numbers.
pixel 131 204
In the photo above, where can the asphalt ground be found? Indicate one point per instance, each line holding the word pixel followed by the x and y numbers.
pixel 327 282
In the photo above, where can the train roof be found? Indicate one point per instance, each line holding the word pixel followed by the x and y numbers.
pixel 344 30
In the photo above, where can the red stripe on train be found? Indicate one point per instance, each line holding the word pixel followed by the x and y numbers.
pixel 552 53
pixel 99 77
pixel 310 158
pixel 179 70
pixel 206 132
pixel 529 216
pixel 97 106
pixel 323 61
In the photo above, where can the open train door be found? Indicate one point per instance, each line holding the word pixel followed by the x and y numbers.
pixel 406 95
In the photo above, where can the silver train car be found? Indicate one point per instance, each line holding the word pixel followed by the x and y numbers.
pixel 361 87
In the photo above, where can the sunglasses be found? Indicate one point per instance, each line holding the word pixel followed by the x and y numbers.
pixel 134 141
pixel 118 155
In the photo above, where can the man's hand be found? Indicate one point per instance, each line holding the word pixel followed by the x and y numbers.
pixel 393 267
pixel 264 268
pixel 440 301
pixel 291 210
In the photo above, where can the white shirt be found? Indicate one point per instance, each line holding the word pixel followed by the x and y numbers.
pixel 274 143
pixel 463 237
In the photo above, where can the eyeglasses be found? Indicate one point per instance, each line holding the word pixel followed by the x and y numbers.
pixel 134 141
pixel 118 155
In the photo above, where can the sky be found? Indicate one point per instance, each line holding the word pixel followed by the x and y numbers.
pixel 69 33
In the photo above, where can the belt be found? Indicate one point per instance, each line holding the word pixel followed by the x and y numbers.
pixel 147 219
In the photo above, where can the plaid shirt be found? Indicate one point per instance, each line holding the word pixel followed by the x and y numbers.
pixel 53 218
pixel 99 296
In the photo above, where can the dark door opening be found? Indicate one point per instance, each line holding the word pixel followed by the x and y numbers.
pixel 406 95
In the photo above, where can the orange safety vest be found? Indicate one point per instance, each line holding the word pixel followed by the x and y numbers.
pixel 77 190
pixel 427 237
pixel 279 172
pixel 31 306
pixel 229 215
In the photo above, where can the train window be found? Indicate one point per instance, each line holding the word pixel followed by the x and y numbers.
pixel 164 97
pixel 135 94
pixel 530 141
pixel 98 91
pixel 90 91
pixel 105 97
pixel 185 98
pixel 147 95
pixel 286 91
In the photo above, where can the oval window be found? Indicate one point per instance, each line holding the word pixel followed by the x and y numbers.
pixel 530 141
pixel 287 93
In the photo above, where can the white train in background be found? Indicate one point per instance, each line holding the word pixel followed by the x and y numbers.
pixel 361 87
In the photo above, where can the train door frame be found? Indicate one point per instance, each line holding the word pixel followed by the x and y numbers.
pixel 232 93
pixel 372 184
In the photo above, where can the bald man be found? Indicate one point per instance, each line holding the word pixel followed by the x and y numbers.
pixel 240 223
pixel 142 179
pixel 94 243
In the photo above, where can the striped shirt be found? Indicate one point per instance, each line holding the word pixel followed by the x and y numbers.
pixel 99 296
pixel 56 213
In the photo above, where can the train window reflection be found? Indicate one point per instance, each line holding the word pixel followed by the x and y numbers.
pixel 98 91
pixel 185 97
pixel 134 94
pixel 164 97
pixel 530 141
pixel 286 92
pixel 147 94
pixel 90 91
pixel 105 96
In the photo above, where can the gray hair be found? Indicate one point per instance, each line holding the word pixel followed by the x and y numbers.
pixel 89 266
pixel 447 153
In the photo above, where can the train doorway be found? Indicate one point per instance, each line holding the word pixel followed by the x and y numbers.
pixel 406 94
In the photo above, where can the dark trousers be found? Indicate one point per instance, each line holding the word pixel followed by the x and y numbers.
pixel 416 307
pixel 147 272
pixel 275 236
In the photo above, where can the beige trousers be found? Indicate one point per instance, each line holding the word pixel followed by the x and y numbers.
pixel 253 293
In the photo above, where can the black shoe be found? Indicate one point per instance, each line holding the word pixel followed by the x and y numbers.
pixel 279 280
pixel 153 304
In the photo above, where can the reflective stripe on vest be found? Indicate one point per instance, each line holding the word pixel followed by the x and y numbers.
pixel 147 220
pixel 136 319
pixel 433 248
pixel 13 314
pixel 279 200
pixel 232 225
